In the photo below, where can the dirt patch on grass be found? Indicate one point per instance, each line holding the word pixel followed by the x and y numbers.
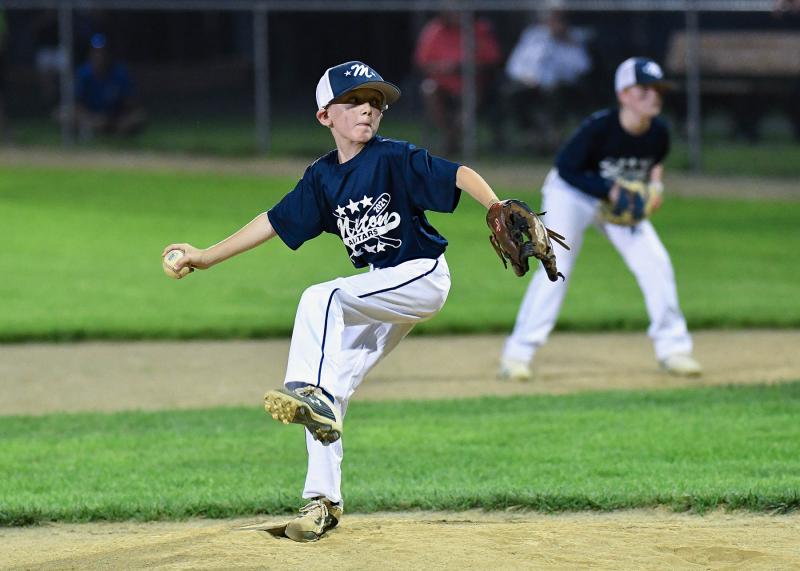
pixel 42 378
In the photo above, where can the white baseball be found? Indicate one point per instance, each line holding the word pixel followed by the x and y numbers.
pixel 168 263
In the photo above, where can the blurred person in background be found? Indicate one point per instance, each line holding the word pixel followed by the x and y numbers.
pixel 612 147
pixel 543 74
pixel 787 6
pixel 104 95
pixel 439 57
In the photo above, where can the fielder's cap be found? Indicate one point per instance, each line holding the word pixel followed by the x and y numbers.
pixel 639 71
pixel 345 77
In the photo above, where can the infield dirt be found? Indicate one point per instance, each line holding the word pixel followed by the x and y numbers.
pixel 42 378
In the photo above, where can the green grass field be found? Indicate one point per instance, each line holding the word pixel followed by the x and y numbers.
pixel 292 134
pixel 690 449
pixel 81 260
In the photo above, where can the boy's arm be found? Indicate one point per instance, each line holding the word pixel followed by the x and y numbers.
pixel 657 186
pixel 473 184
pixel 256 232
pixel 657 173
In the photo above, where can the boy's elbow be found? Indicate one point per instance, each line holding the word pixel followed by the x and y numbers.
pixel 463 176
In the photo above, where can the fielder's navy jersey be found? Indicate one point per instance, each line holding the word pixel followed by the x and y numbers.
pixel 601 151
pixel 375 203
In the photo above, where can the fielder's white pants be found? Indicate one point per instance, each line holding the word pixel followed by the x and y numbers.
pixel 343 328
pixel 569 212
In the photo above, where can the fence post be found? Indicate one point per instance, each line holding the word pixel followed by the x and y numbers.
pixel 468 86
pixel 67 82
pixel 694 117
pixel 261 71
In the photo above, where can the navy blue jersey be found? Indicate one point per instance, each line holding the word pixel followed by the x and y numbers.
pixel 375 203
pixel 601 151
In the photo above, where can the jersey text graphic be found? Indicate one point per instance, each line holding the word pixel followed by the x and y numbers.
pixel 631 168
pixel 368 229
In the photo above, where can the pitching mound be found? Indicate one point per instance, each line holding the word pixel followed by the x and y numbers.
pixel 469 540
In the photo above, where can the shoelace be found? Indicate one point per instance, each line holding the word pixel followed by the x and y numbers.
pixel 307 390
pixel 313 505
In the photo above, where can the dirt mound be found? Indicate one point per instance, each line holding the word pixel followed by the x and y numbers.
pixel 413 541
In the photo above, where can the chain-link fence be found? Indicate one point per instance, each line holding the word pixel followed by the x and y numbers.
pixel 479 78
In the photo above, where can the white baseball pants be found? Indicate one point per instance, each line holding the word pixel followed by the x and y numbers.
pixel 343 328
pixel 569 212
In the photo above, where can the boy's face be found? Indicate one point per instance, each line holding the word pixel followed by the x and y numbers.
pixel 644 100
pixel 356 116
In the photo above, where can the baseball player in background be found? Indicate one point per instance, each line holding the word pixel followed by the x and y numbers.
pixel 372 193
pixel 612 151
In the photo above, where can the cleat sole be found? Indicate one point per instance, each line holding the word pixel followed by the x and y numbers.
pixel 284 408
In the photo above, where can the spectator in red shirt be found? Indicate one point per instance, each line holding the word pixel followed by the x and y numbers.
pixel 439 57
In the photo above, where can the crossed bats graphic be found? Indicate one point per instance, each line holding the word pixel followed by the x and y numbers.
pixel 376 209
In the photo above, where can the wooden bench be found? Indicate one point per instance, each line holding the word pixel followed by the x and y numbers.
pixel 745 73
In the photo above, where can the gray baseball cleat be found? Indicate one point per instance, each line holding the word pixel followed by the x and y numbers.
pixel 316 518
pixel 682 365
pixel 512 370
pixel 308 406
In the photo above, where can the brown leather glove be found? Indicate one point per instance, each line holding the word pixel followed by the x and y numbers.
pixel 518 233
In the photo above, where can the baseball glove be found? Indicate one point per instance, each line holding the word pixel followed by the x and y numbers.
pixel 518 233
pixel 635 202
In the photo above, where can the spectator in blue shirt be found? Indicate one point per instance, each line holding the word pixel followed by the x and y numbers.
pixel 104 95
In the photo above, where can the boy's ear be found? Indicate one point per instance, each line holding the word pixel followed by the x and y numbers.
pixel 323 118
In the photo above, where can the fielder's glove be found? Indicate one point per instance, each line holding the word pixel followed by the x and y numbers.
pixel 635 201
pixel 518 234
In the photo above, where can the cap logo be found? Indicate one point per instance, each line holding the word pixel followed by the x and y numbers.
pixel 345 77
pixel 652 69
pixel 359 69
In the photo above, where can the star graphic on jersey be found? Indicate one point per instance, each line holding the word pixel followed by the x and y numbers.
pixel 352 206
pixel 366 201
pixel 347 72
pixel 356 253
pixel 370 249
pixel 340 211
pixel 381 246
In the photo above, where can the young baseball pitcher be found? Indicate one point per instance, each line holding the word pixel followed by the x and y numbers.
pixel 372 193
pixel 610 173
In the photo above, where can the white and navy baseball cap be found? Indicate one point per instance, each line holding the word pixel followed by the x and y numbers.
pixel 345 77
pixel 639 71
